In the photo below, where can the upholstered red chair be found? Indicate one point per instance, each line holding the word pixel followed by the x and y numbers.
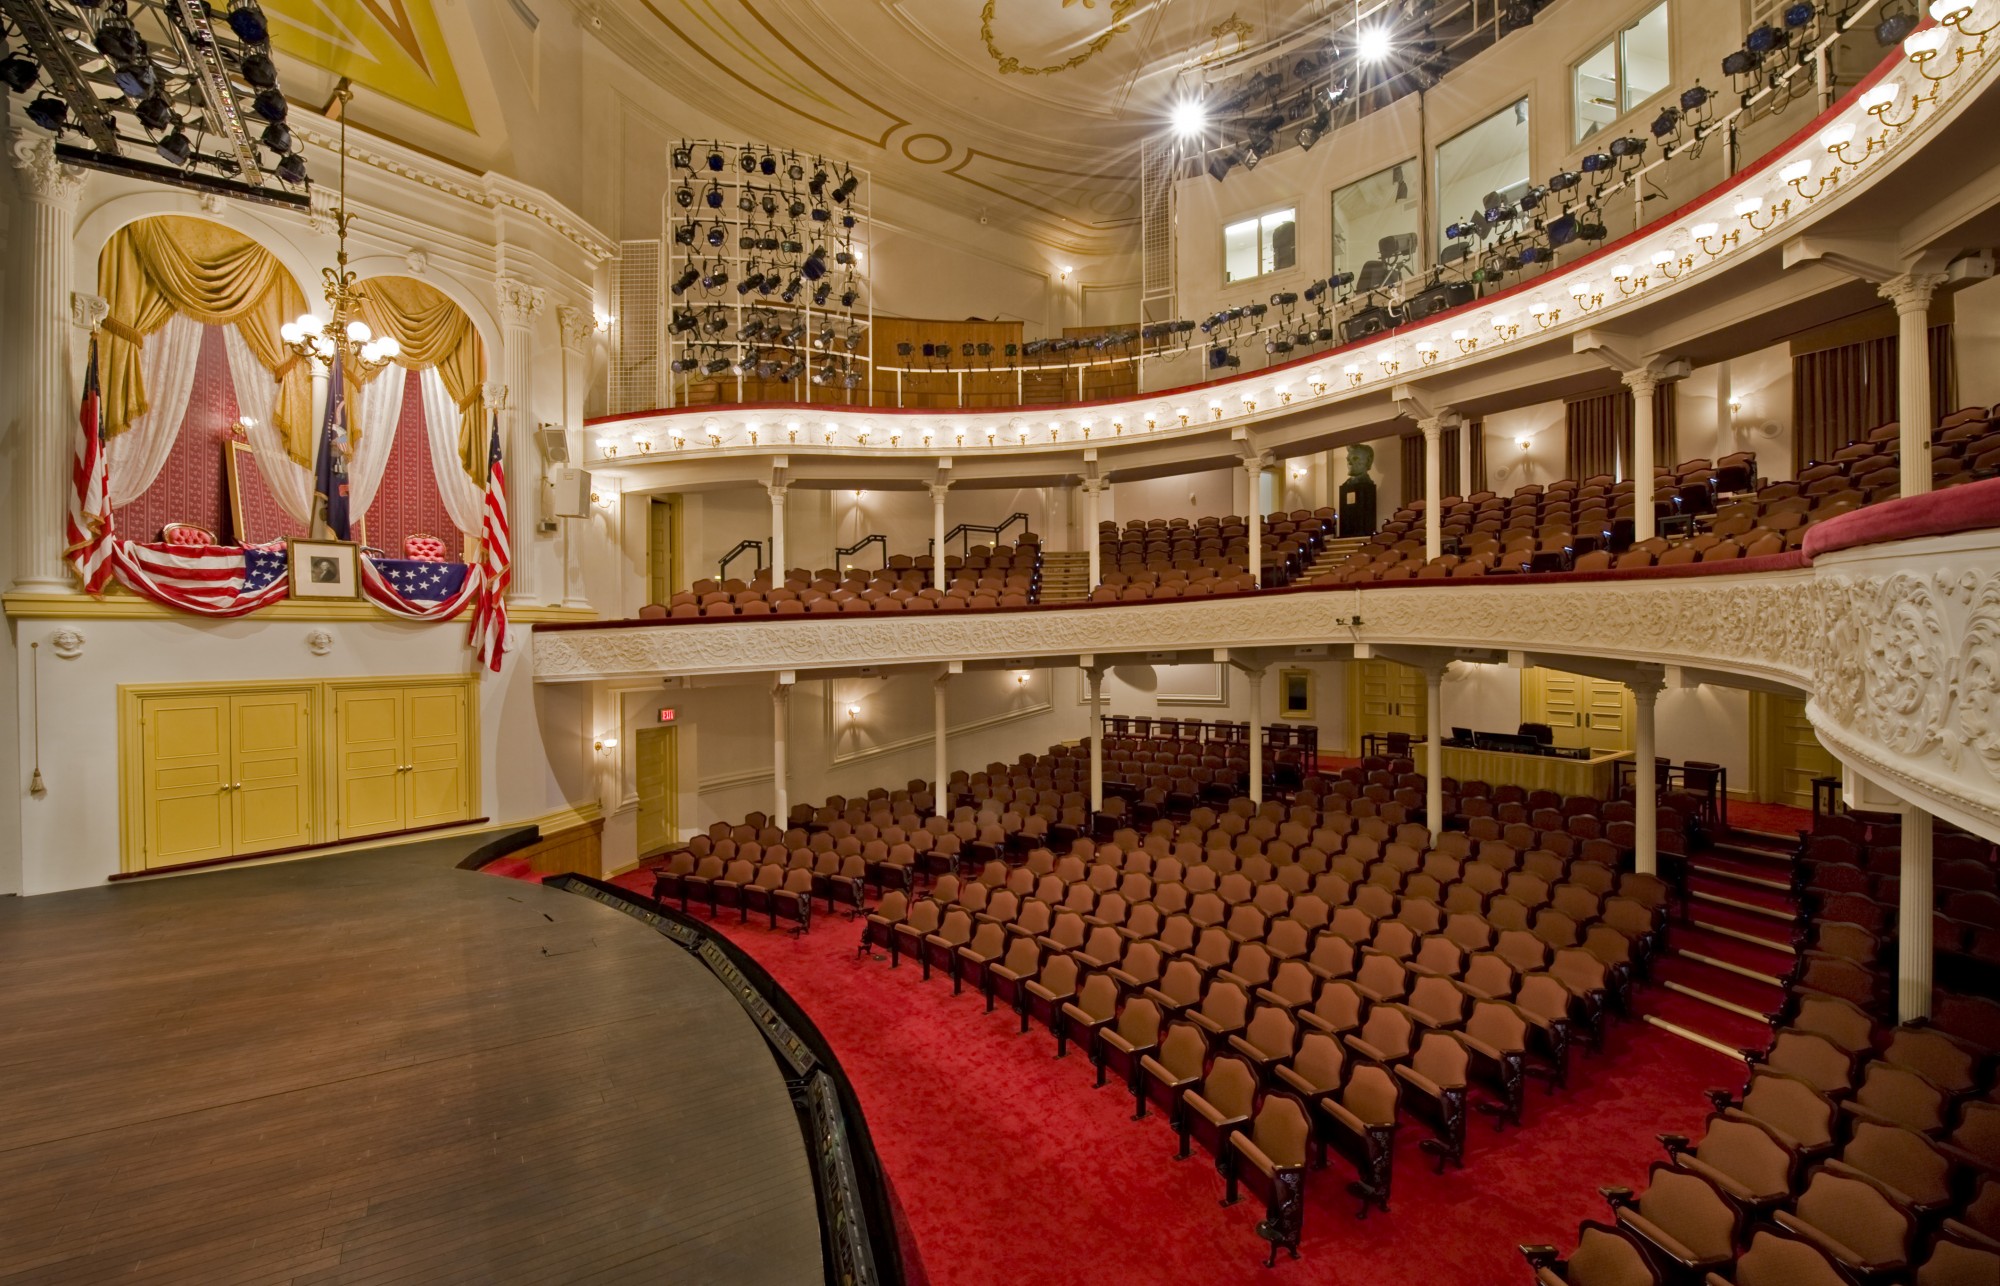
pixel 186 534
pixel 424 549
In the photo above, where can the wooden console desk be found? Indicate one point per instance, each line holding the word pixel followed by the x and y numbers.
pixel 1596 776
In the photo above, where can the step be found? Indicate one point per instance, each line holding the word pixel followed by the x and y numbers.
pixel 1736 870
pixel 1760 841
pixel 1713 985
pixel 1747 926
pixel 1763 960
pixel 1704 887
pixel 1705 1024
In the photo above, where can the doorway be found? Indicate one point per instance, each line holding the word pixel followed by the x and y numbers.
pixel 1785 755
pixel 657 782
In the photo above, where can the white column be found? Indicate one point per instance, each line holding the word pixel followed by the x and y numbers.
pixel 938 579
pixel 47 438
pixel 1092 489
pixel 577 326
pixel 1255 678
pixel 940 733
pixel 781 710
pixel 1913 919
pixel 1911 294
pixel 519 305
pixel 777 490
pixel 1253 477
pixel 1096 674
pixel 1644 385
pixel 1433 428
pixel 1434 739
pixel 1645 779
pixel 1466 429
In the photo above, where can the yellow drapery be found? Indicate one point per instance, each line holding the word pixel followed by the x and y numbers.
pixel 151 269
pixel 434 331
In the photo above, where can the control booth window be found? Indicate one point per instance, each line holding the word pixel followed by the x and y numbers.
pixel 1482 167
pixel 1265 244
pixel 1622 73
pixel 1372 213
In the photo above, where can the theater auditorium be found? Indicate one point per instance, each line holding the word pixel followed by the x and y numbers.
pixel 1000 642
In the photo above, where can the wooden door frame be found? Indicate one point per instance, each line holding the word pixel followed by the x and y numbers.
pixel 676 573
pixel 672 774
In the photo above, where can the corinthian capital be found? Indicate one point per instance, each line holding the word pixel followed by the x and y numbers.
pixel 520 303
pixel 48 177
pixel 1911 292
pixel 575 325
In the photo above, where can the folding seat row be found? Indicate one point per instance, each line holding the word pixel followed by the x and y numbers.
pixel 776 888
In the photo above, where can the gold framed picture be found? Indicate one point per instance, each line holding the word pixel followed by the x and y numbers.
pixel 324 569
pixel 1295 694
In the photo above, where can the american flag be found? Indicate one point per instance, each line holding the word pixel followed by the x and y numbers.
pixel 424 591
pixel 88 530
pixel 489 618
pixel 213 580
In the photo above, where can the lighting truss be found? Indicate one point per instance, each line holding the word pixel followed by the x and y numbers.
pixel 168 90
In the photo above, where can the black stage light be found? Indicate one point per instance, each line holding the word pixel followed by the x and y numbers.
pixel 1457 231
pixel 792 288
pixel 1693 100
pixel 276 137
pixel 746 161
pixel 683 198
pixel 49 112
pixel 1276 347
pixel 821 292
pixel 1366 323
pixel 139 80
pixel 716 235
pixel 844 257
pixel 118 40
pixel 1496 214
pixel 1591 231
pixel 1220 359
pixel 1743 62
pixel 683 159
pixel 1666 122
pixel 1564 181
pixel 1562 231
pixel 19 73
pixel 257 68
pixel 715 366
pixel 1315 129
pixel 1531 200
pixel 1339 279
pixel 1596 162
pixel 796 208
pixel 820 214
pixel 769 204
pixel 1764 39
pixel 746 202
pixel 1284 299
pixel 716 321
pixel 246 19
pixel 1893 29
pixel 1259 148
pixel 1255 310
pixel 1798 15
pixel 291 168
pixel 1532 254
pixel 176 148
pixel 755 281
pixel 715 161
pixel 793 170
pixel 713 197
pixel 684 235
pixel 716 277
pixel 682 365
pixel 683 322
pixel 850 380
pixel 1321 335
pixel 156 114
pixel 1630 145
pixel 270 105
pixel 688 277
pixel 848 297
pixel 767 164
pixel 818 183
pixel 846 188
pixel 985 349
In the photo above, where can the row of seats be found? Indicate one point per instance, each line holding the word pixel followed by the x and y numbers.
pixel 985 579
pixel 1156 551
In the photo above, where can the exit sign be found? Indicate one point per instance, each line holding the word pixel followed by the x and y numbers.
pixel 667 714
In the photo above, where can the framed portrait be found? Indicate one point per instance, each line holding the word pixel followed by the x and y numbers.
pixel 324 569
pixel 255 516
pixel 1295 694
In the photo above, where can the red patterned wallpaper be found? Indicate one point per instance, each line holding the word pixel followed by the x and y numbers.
pixel 408 502
pixel 191 486
pixel 264 520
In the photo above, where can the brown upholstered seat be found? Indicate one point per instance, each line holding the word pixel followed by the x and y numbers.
pixel 1604 1256
pixel 1682 1218
pixel 1012 973
pixel 1273 1156
pixel 1434 1084
pixel 1120 1047
pixel 1361 1121
pixel 1220 1106
pixel 1854 1225
pixel 1174 1069
pixel 1742 1159
pixel 1775 1259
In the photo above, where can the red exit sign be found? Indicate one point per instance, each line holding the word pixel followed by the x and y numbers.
pixel 667 714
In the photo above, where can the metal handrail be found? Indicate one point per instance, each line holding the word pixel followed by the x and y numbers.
pixel 965 529
pixel 742 547
pixel 880 541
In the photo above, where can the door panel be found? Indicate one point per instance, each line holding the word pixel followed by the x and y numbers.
pixel 1795 756
pixel 1391 698
pixel 1580 711
pixel 186 769
pixel 437 756
pixel 271 734
pixel 368 748
pixel 655 786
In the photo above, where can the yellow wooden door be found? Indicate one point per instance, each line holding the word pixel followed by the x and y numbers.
pixel 368 758
pixel 662 551
pixel 1792 755
pixel 1388 697
pixel 655 785
pixel 186 779
pixel 271 796
pixel 436 756
pixel 1580 710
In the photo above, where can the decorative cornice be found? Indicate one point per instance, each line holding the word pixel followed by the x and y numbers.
pixel 575 325
pixel 86 311
pixel 1911 292
pixel 518 302
pixel 50 179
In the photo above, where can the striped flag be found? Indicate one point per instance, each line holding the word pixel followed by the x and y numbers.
pixel 330 462
pixel 496 555
pixel 212 580
pixel 88 530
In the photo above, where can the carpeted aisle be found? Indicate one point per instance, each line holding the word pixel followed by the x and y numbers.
pixel 1769 819
pixel 1013 1170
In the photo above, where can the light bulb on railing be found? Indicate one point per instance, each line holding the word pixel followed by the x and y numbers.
pixel 1922 46
pixel 1947 10
pixel 1749 205
pixel 1837 136
pixel 1796 172
pixel 358 332
pixel 1883 96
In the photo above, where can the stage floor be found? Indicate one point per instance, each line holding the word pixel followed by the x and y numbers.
pixel 379 1068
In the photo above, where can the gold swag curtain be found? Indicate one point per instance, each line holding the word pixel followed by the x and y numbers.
pixel 158 266
pixel 434 331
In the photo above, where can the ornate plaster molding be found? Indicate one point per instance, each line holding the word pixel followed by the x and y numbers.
pixel 575 325
pixel 48 177
pixel 87 311
pixel 519 302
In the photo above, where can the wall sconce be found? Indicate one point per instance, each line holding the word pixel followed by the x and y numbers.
pixel 680 439
pixel 1627 279
pixel 1586 294
pixel 791 430
pixel 1215 408
pixel 1836 139
pixel 603 499
pixel 606 743
pixel 1181 413
pixel 644 446
pixel 826 434
pixel 1504 326
pixel 1062 273
pixel 1249 404
pixel 861 435
pixel 1465 340
pixel 1798 172
pixel 853 713
pixel 1735 405
pixel 1055 430
pixel 1544 315
pixel 1118 427
pixel 1020 680
pixel 927 437
pixel 1703 233
pixel 1878 101
pixel 1670 265
pixel 1391 363
pixel 245 423
pixel 1284 392
pixel 991 435
pixel 604 321
pixel 607 446
pixel 1085 424
pixel 1427 352
pixel 1751 206
pixel 1353 374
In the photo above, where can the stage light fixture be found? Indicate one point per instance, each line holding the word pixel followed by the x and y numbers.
pixel 1564 181
pixel 1629 146
pixel 156 114
pixel 276 137
pixel 1798 15
pixel 688 277
pixel 1561 232
pixel 1666 122
pixel 49 112
pixel 1764 39
pixel 176 148
pixel 246 19
pixel 1894 29
pixel 291 168
pixel 270 106
pixel 1220 359
pixel 1694 99
pixel 1219 165
pixel 1595 163
pixel 1373 45
pixel 1743 62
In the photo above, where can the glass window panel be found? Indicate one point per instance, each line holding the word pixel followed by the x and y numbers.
pixel 1491 157
pixel 1367 210
pixel 1281 235
pixel 1646 57
pixel 1239 250
pixel 1596 91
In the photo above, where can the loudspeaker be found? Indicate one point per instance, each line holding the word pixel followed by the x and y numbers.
pixel 570 493
pixel 554 443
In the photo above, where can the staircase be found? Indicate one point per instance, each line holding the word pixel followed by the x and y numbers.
pixel 1065 576
pixel 1331 555
pixel 1723 971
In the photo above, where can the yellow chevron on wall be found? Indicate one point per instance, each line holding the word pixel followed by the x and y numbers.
pixel 394 47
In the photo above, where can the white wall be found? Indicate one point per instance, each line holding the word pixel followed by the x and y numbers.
pixel 1546 427
pixel 1210 493
pixel 1976 342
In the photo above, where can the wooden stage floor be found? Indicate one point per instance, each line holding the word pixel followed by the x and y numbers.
pixel 379 1068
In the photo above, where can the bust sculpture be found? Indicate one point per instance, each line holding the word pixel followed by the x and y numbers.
pixel 1357 493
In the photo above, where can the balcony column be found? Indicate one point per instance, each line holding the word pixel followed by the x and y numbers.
pixel 1911 294
pixel 1093 488
pixel 1644 385
pixel 777 490
pixel 1095 673
pixel 48 405
pixel 1434 743
pixel 1645 777
pixel 1254 675
pixel 519 306
pixel 1433 429
pixel 1466 428
pixel 1913 919
pixel 940 734
pixel 781 720
pixel 938 579
pixel 1253 475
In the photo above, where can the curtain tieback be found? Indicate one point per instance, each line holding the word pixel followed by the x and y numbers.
pixel 122 330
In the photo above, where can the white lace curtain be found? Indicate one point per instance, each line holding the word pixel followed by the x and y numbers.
pixel 374 420
pixel 167 363
pixel 289 482
pixel 463 499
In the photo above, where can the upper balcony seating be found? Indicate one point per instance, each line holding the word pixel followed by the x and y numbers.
pixel 984 579
pixel 1179 557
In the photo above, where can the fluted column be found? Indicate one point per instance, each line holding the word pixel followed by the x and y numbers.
pixel 1253 475
pixel 1434 740
pixel 1644 385
pixel 939 490
pixel 777 490
pixel 48 403
pixel 576 326
pixel 1465 431
pixel 1911 294
pixel 1645 778
pixel 519 306
pixel 940 733
pixel 781 721
pixel 1433 430
pixel 1093 488
pixel 1913 919
pixel 1254 676
pixel 1096 675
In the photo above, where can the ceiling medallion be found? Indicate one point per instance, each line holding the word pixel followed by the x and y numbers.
pixel 1011 66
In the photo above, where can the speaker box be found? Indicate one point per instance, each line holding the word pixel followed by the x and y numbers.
pixel 570 493
pixel 553 442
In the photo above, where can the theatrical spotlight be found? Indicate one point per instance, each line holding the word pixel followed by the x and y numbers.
pixel 688 277
pixel 1315 129
pixel 1220 359
pixel 1892 30
pixel 1220 163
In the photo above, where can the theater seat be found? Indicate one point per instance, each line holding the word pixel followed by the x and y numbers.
pixel 1219 1107
pixel 1775 1259
pixel 1604 1256
pixel 1684 1220
pixel 1273 1156
pixel 1361 1122
pixel 1120 1047
pixel 1173 1070
pixel 1853 1224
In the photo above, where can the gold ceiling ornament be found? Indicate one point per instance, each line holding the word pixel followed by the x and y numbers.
pixel 1011 66
pixel 1221 31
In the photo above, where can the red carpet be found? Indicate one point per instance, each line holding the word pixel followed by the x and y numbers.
pixel 1771 819
pixel 1011 1169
